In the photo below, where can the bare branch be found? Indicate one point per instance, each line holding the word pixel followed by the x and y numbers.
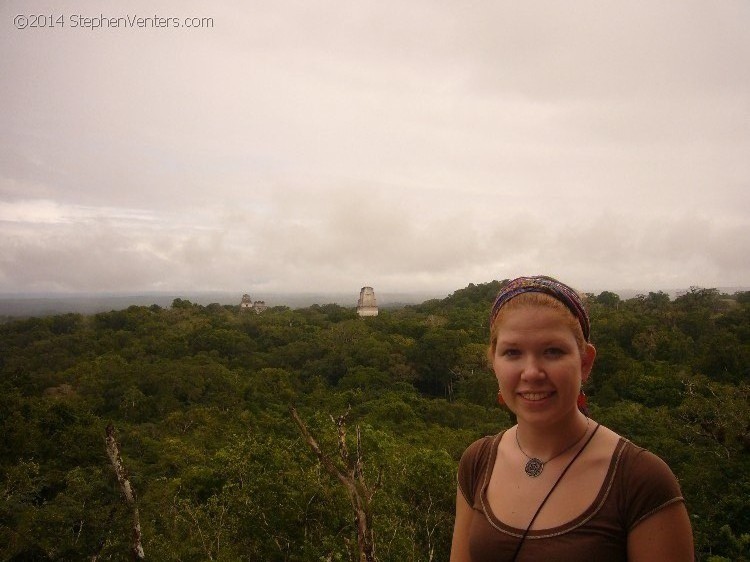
pixel 113 452
pixel 359 495
pixel 332 469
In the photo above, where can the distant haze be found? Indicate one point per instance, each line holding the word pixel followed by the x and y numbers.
pixel 318 147
pixel 45 305
pixel 50 304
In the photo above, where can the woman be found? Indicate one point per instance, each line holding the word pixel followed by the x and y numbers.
pixel 558 486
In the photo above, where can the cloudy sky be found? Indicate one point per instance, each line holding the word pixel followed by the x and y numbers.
pixel 411 146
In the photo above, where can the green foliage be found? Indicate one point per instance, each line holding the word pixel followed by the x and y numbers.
pixel 199 396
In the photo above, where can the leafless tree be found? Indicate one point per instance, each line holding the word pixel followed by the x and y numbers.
pixel 351 477
pixel 128 493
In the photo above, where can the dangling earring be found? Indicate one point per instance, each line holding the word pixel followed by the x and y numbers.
pixel 583 403
pixel 500 399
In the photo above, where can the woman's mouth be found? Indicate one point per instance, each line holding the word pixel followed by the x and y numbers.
pixel 535 396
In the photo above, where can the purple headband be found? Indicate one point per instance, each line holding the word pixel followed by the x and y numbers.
pixel 548 286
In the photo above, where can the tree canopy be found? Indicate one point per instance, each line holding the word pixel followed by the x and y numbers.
pixel 200 396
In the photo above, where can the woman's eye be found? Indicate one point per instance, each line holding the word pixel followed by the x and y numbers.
pixel 554 352
pixel 510 353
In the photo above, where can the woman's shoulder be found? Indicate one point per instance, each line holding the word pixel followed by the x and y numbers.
pixel 629 455
pixel 644 482
pixel 608 436
pixel 474 464
pixel 480 447
pixel 633 462
pixel 640 464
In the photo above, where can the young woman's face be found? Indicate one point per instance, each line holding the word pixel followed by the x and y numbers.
pixel 538 363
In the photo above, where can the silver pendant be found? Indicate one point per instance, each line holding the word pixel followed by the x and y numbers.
pixel 534 467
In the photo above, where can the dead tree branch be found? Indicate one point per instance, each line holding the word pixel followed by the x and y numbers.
pixel 360 494
pixel 128 493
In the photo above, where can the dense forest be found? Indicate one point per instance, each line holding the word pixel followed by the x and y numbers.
pixel 198 400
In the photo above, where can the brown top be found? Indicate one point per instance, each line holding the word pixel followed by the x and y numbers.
pixel 637 484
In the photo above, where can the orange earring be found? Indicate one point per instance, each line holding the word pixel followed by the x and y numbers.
pixel 500 399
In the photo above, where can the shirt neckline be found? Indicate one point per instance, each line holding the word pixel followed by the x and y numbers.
pixel 577 521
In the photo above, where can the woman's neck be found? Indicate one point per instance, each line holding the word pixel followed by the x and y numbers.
pixel 547 441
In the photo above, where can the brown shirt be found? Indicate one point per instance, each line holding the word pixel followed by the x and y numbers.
pixel 637 484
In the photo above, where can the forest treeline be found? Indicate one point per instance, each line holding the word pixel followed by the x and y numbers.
pixel 199 398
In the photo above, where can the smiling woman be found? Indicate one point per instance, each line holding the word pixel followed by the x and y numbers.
pixel 558 486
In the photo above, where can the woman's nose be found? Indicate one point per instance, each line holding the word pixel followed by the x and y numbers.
pixel 532 368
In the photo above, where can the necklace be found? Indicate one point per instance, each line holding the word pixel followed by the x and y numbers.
pixel 552 489
pixel 535 466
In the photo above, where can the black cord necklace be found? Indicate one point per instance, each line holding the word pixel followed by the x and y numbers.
pixel 535 466
pixel 552 489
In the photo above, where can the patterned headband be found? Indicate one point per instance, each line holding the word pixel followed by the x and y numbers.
pixel 548 286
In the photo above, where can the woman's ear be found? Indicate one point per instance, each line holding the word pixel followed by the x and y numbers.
pixel 587 361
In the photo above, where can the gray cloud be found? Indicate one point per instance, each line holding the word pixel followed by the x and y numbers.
pixel 311 146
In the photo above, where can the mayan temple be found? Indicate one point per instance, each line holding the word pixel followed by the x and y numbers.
pixel 366 305
pixel 247 304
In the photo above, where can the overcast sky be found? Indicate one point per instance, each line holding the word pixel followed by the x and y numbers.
pixel 407 145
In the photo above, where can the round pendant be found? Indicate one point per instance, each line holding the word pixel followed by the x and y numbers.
pixel 534 467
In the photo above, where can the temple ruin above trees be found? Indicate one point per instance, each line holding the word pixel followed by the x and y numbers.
pixel 247 305
pixel 367 305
